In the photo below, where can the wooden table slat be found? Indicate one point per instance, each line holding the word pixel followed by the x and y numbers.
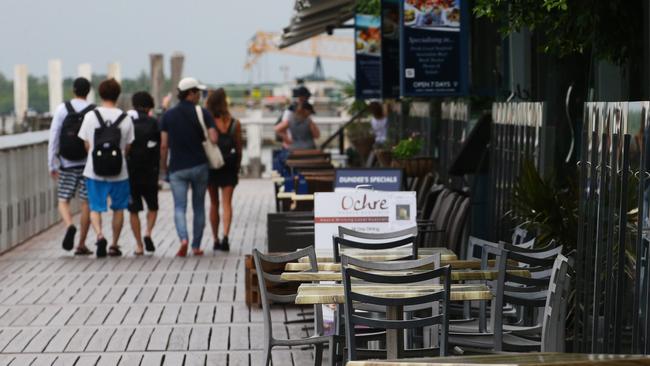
pixel 309 294
pixel 336 267
pixel 455 275
pixel 383 255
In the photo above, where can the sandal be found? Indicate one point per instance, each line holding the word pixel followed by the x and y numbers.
pixel 138 251
pixel 82 251
pixel 114 251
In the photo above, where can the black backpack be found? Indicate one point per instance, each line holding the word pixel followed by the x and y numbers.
pixel 227 144
pixel 107 154
pixel 141 155
pixel 71 147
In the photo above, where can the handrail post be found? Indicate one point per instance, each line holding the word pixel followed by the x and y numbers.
pixel 341 130
pixel 341 143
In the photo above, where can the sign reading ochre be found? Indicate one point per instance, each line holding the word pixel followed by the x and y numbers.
pixel 434 47
pixel 361 210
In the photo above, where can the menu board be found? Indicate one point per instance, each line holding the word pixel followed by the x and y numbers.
pixel 367 40
pixel 390 69
pixel 434 47
pixel 361 210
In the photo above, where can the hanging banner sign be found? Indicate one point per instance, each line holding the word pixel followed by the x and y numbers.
pixel 434 47
pixel 390 69
pixel 361 210
pixel 367 42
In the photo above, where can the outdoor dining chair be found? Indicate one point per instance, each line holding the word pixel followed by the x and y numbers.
pixel 277 291
pixel 374 242
pixel 351 233
pixel 491 250
pixel 519 235
pixel 434 230
pixel 340 244
pixel 549 295
pixel 357 271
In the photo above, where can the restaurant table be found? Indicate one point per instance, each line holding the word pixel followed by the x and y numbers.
pixel 302 197
pixel 319 172
pixel 518 359
pixel 315 294
pixel 456 275
pixel 323 256
pixel 336 267
pixel 310 164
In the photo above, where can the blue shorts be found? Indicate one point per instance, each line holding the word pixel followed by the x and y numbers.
pixel 99 191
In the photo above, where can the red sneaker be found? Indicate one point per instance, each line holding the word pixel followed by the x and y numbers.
pixel 197 251
pixel 182 251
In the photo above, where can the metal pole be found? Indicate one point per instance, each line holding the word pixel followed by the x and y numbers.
pixel 622 230
pixel 582 208
pixel 636 345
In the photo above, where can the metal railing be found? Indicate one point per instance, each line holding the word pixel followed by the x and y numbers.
pixel 340 132
pixel 516 136
pixel 28 203
pixel 451 136
pixel 612 269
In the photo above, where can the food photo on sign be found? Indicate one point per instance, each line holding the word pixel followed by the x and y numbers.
pixel 368 47
pixel 432 14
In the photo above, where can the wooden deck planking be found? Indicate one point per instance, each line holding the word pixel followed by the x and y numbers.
pixel 57 309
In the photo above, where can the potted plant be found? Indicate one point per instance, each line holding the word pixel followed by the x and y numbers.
pixel 405 156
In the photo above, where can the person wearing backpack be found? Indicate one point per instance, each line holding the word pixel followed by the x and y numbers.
pixel 143 163
pixel 185 128
pixel 108 134
pixel 226 178
pixel 66 161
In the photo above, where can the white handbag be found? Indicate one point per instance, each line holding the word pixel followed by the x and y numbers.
pixel 212 151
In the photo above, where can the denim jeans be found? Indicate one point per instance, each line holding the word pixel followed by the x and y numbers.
pixel 181 181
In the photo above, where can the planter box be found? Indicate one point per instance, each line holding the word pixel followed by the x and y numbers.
pixel 414 167
pixel 384 157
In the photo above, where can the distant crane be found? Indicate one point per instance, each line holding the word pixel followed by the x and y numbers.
pixel 339 48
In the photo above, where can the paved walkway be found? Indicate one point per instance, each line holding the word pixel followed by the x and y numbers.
pixel 56 309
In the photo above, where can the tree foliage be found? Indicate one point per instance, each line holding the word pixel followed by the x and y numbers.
pixel 371 7
pixel 612 30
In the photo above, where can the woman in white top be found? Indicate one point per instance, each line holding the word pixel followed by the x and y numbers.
pixel 378 122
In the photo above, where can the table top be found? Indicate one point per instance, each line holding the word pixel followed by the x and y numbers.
pixel 285 195
pixel 309 163
pixel 309 294
pixel 302 197
pixel 324 256
pixel 336 267
pixel 455 275
pixel 516 359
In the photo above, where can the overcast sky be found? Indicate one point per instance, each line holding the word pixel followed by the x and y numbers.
pixel 211 33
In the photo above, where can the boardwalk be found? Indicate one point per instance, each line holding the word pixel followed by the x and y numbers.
pixel 56 309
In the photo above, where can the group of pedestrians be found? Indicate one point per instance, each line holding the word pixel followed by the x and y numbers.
pixel 101 152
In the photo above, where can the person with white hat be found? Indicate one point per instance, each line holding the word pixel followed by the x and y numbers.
pixel 182 136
